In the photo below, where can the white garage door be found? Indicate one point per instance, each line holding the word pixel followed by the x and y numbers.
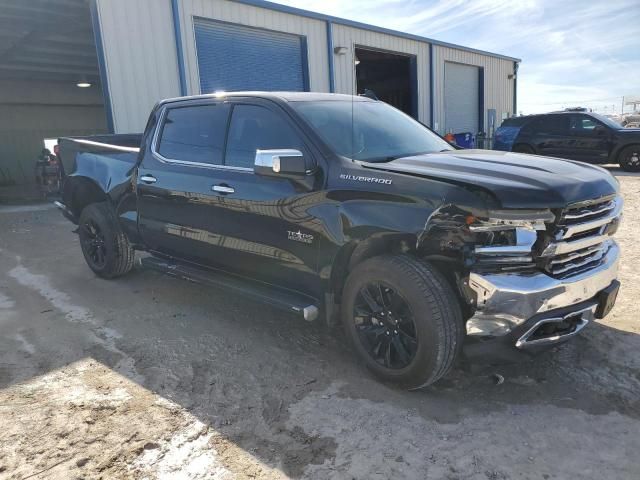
pixel 461 98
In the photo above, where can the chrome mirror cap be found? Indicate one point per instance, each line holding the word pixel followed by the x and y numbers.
pixel 271 158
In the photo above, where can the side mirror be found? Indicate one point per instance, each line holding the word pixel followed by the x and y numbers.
pixel 285 162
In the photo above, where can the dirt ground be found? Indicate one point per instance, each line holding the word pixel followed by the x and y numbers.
pixel 150 377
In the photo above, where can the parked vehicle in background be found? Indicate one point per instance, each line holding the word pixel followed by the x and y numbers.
pixel 344 206
pixel 630 119
pixel 583 136
pixel 632 125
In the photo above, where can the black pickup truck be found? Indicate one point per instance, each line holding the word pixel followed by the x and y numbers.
pixel 346 209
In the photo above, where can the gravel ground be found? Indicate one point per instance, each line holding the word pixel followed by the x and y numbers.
pixel 150 377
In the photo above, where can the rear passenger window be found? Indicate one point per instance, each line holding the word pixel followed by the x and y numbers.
pixel 194 134
pixel 551 124
pixel 256 128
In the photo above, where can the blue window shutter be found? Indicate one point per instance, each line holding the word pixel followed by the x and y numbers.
pixel 236 57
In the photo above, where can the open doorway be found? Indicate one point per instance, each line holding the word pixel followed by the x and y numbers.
pixel 49 82
pixel 391 77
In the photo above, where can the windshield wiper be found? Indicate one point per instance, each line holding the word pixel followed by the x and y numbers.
pixel 390 158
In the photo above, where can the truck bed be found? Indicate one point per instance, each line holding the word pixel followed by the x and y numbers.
pixel 121 148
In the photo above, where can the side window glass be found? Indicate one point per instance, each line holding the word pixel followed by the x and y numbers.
pixel 256 128
pixel 582 123
pixel 194 134
pixel 552 124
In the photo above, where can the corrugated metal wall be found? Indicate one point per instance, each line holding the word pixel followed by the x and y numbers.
pixel 314 30
pixel 344 36
pixel 498 89
pixel 140 57
pixel 142 66
pixel 35 110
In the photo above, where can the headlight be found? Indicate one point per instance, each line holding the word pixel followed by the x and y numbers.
pixel 508 236
pixel 505 219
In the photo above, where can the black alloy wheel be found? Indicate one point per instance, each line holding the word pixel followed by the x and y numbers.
pixel 93 242
pixel 105 246
pixel 385 325
pixel 629 158
pixel 403 319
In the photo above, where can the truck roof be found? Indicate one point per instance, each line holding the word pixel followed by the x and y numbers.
pixel 282 96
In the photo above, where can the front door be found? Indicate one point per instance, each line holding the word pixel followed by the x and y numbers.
pixel 265 225
pixel 588 138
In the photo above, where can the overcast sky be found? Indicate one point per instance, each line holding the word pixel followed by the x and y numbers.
pixel 574 52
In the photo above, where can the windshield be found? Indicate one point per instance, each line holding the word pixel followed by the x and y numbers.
pixel 369 131
pixel 607 121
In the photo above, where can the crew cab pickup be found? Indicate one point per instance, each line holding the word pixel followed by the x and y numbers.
pixel 345 209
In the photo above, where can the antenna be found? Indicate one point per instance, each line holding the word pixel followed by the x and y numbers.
pixel 354 86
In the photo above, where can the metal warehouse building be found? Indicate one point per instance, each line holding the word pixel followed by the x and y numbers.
pixel 133 53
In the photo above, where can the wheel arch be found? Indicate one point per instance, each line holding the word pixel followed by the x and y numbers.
pixel 80 191
pixel 618 151
pixel 355 252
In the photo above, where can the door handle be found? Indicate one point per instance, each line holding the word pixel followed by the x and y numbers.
pixel 223 189
pixel 148 179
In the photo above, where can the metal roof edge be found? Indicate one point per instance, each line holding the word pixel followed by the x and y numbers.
pixel 351 23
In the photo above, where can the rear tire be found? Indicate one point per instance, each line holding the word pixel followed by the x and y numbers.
pixel 629 158
pixel 522 148
pixel 105 247
pixel 409 356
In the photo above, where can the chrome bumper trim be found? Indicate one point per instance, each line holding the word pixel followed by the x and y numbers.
pixel 506 300
pixel 586 314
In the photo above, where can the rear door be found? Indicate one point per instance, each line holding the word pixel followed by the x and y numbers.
pixel 589 140
pixel 176 204
pixel 549 135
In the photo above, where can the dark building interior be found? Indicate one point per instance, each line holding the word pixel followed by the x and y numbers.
pixel 389 76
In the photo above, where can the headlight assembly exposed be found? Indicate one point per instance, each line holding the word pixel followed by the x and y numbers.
pixel 505 219
pixel 508 236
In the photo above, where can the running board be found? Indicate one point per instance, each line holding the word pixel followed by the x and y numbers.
pixel 285 300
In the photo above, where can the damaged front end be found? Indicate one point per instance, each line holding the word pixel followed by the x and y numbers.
pixel 530 278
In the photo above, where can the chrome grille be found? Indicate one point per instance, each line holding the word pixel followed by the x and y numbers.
pixel 581 237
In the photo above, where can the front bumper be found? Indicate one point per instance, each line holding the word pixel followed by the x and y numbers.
pixel 507 301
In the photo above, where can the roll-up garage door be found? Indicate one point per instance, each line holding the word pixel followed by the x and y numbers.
pixel 235 57
pixel 461 98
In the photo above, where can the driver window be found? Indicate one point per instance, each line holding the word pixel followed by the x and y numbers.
pixel 256 128
pixel 582 123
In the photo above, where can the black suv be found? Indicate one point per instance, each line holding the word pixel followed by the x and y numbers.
pixel 583 136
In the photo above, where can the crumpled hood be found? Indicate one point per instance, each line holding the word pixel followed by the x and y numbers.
pixel 516 180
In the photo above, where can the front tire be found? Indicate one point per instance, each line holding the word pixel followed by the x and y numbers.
pixel 629 158
pixel 105 247
pixel 403 320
